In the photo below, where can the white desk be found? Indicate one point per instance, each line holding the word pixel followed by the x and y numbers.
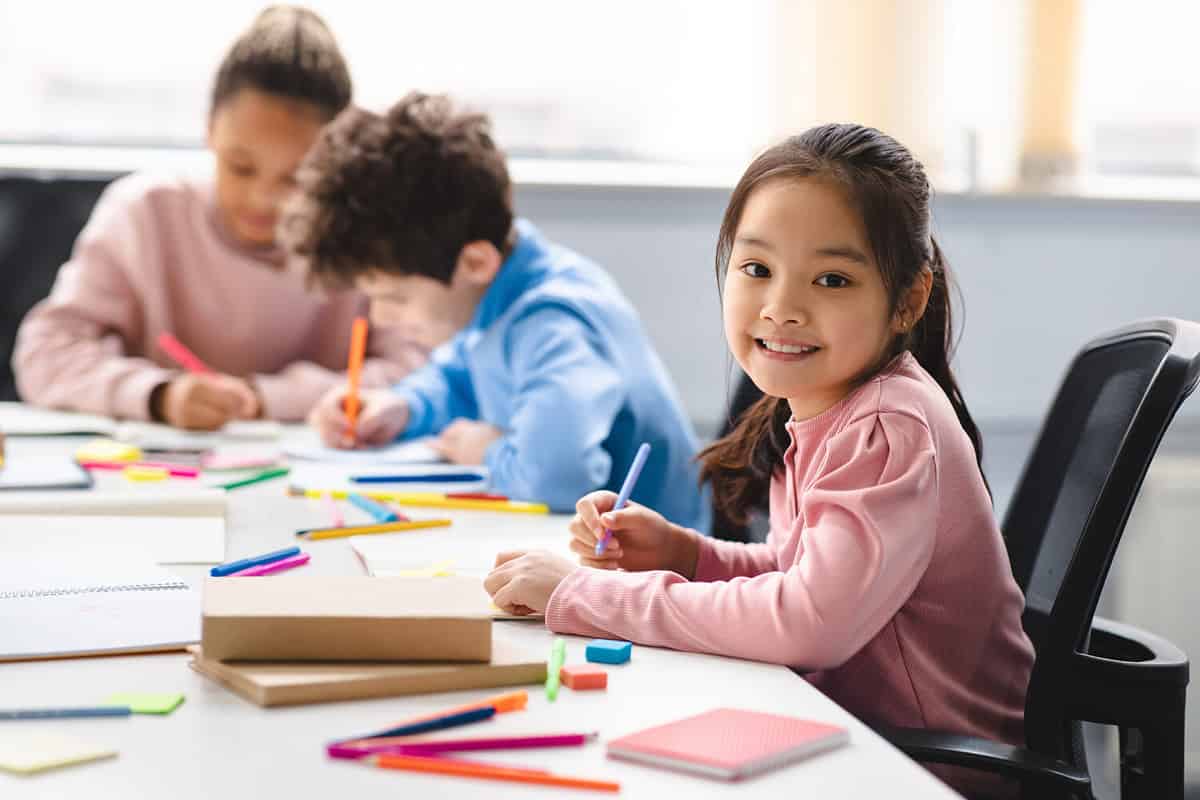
pixel 217 745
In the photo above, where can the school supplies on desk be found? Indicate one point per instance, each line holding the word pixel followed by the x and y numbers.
pixel 253 561
pixel 60 609
pixel 728 743
pixel 181 355
pixel 172 470
pixel 409 747
pixel 366 530
pixel 422 477
pixel 581 677
pixel 261 477
pixel 379 512
pixel 608 651
pixel 291 562
pixel 39 472
pixel 358 349
pixel 635 469
pixel 167 526
pixel 558 652
pixel 107 451
pixel 340 618
pixel 271 684
pixel 66 713
pixel 441 765
pixel 431 500
pixel 147 702
pixel 25 753
pixel 306 446
pixel 438 723
pixel 503 703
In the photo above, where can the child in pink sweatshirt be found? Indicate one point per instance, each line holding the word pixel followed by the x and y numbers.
pixel 884 579
pixel 197 258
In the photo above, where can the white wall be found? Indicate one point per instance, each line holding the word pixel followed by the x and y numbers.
pixel 1039 276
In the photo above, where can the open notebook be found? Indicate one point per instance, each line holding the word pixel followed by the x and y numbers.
pixel 55 608
pixel 305 445
pixel 167 527
pixel 19 419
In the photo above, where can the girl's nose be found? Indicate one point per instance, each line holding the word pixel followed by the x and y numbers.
pixel 783 308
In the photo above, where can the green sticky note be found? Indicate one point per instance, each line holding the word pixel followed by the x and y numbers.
pixel 146 703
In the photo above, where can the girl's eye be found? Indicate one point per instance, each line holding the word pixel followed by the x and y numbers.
pixel 756 270
pixel 833 281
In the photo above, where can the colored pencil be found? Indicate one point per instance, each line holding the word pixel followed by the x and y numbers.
pixel 181 355
pixel 367 530
pixel 273 567
pixel 358 348
pixel 472 769
pixel 265 475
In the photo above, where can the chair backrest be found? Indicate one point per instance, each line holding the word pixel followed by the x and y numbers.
pixel 39 220
pixel 1072 502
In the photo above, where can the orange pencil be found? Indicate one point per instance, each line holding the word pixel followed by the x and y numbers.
pixel 358 348
pixel 474 769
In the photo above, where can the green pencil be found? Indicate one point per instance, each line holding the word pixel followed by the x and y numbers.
pixel 558 654
pixel 265 475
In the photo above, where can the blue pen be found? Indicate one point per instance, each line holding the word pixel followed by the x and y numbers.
pixel 435 724
pixel 635 469
pixel 428 477
pixel 380 512
pixel 66 713
pixel 253 561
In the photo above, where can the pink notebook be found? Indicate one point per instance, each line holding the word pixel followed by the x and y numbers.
pixel 728 743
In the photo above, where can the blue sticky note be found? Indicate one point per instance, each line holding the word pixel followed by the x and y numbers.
pixel 606 651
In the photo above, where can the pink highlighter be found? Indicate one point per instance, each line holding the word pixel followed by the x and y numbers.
pixel 273 567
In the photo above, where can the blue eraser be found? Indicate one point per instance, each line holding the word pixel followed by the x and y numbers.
pixel 606 651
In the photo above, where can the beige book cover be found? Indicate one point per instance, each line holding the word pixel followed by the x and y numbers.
pixel 286 684
pixel 345 618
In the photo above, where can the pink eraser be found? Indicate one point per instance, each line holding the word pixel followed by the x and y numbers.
pixel 583 676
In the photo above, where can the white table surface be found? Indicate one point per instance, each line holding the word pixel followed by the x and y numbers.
pixel 218 745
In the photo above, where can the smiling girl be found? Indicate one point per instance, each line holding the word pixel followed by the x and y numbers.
pixel 196 258
pixel 884 580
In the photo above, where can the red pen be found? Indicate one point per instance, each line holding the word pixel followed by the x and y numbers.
pixel 175 471
pixel 181 355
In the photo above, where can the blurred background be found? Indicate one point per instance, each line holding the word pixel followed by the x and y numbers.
pixel 1062 136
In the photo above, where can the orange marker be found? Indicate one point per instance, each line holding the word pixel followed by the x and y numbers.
pixel 474 769
pixel 358 348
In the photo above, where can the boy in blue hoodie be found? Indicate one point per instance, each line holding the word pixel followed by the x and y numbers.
pixel 543 372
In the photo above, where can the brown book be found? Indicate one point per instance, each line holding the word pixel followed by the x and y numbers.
pixel 286 684
pixel 345 618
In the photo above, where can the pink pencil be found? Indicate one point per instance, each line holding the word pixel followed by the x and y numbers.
pixel 171 469
pixel 432 748
pixel 181 355
pixel 274 566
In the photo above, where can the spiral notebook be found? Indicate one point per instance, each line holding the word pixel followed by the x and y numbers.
pixel 62 609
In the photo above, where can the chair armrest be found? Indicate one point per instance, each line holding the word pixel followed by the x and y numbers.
pixel 1124 645
pixel 934 747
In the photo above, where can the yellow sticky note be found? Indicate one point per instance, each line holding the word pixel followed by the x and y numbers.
pixel 26 753
pixel 134 473
pixel 146 702
pixel 107 450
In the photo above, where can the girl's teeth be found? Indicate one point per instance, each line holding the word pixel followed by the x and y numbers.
pixel 787 348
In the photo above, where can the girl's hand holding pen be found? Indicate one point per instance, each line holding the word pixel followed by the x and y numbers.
pixel 641 538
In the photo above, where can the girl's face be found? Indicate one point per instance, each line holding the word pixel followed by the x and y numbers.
pixel 259 140
pixel 806 312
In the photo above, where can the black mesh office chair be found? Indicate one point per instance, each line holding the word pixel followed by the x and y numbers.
pixel 39 220
pixel 1062 530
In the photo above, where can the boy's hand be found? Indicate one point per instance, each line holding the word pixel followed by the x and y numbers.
pixel 521 583
pixel 382 416
pixel 206 402
pixel 465 441
pixel 641 538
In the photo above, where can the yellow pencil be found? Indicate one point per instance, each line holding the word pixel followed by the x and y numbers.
pixel 434 500
pixel 382 527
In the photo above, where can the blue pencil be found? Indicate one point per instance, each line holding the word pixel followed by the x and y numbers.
pixel 253 561
pixel 427 477
pixel 635 469
pixel 435 724
pixel 380 512
pixel 66 713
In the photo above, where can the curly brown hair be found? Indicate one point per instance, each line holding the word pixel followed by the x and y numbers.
pixel 399 193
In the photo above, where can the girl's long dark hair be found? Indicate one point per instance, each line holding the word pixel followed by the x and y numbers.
pixel 889 189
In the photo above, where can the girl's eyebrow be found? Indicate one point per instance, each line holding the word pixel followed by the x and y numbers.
pixel 751 240
pixel 843 251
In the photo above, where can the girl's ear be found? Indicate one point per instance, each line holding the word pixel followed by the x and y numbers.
pixel 478 263
pixel 912 305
